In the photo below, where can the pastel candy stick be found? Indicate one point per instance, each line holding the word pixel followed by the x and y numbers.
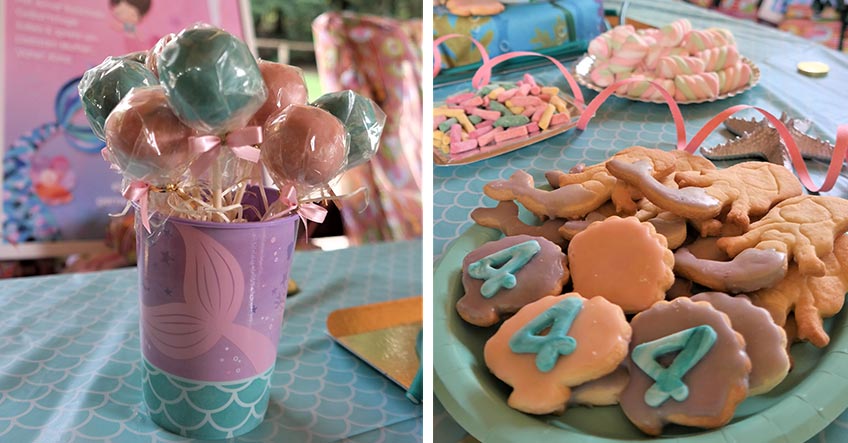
pixel 455 134
pixel 488 115
pixel 437 120
pixel 560 119
pixel 511 133
pixel 734 77
pixel 512 121
pixel 674 32
pixel 446 123
pixel 716 59
pixel 462 146
pixel 472 102
pixel 488 137
pixel 475 134
pixel 542 369
pixel 674 65
pixel 696 86
pixel 459 98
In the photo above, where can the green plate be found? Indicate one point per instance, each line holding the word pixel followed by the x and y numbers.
pixel 812 396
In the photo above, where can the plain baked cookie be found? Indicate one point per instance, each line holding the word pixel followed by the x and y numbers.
pixel 542 369
pixel 502 276
pixel 623 260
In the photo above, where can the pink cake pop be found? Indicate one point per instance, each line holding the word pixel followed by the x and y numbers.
pixel 146 140
pixel 716 59
pixel 153 53
pixel 285 87
pixel 304 146
pixel 696 86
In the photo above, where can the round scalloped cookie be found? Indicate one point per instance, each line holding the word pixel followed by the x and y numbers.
pixel 543 273
pixel 765 341
pixel 623 260
pixel 542 369
pixel 711 359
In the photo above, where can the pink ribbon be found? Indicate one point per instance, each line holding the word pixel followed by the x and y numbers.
pixel 484 74
pixel 437 56
pixel 306 211
pixel 137 193
pixel 596 103
pixel 840 151
pixel 240 142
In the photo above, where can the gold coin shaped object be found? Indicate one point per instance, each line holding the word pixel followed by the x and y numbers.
pixel 813 69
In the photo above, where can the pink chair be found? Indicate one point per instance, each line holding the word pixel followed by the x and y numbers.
pixel 379 58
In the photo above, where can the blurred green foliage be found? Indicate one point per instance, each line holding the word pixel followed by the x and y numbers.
pixel 292 19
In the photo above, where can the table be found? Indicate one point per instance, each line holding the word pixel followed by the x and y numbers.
pixel 622 123
pixel 69 356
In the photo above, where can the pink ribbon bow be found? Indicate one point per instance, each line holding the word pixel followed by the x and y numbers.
pixel 306 211
pixel 240 142
pixel 137 193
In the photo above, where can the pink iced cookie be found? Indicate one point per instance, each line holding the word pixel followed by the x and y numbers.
pixel 542 369
pixel 696 86
pixel 716 59
pixel 734 77
pixel 500 277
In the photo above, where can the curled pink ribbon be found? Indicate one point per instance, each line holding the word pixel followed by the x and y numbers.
pixel 137 193
pixel 240 142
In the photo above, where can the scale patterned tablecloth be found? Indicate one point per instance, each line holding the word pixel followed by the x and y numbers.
pixel 622 123
pixel 69 357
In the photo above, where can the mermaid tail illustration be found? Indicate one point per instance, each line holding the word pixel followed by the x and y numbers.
pixel 213 291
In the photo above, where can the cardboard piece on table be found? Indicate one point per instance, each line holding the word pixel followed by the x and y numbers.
pixel 383 335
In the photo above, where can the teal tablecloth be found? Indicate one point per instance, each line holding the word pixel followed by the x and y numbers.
pixel 69 357
pixel 622 123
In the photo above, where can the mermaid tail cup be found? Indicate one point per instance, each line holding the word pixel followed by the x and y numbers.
pixel 212 300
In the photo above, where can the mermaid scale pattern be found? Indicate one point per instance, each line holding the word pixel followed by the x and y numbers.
pixel 205 409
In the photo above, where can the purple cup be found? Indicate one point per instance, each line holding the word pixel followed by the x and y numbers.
pixel 212 298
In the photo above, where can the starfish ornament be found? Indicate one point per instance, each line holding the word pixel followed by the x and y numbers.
pixel 757 138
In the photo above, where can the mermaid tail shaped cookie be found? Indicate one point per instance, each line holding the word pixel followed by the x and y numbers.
pixel 213 291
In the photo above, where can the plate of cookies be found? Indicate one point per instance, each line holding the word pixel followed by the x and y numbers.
pixel 651 295
pixel 499 118
pixel 694 66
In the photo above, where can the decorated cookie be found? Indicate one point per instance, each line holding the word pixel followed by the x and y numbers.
pixel 603 391
pixel 578 193
pixel 542 369
pixel 810 298
pixel 623 260
pixel 670 226
pixel 751 270
pixel 502 276
pixel 743 191
pixel 701 385
pixel 504 217
pixel 803 227
pixel 765 341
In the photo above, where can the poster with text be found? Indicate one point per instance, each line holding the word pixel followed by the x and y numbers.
pixel 56 186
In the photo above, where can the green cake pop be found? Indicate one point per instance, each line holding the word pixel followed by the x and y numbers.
pixel 363 120
pixel 103 86
pixel 211 78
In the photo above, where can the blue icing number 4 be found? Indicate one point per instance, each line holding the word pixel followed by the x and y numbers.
pixel 548 347
pixel 693 344
pixel 498 269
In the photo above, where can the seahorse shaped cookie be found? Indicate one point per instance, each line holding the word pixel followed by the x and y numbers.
pixel 543 369
pixel 578 193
